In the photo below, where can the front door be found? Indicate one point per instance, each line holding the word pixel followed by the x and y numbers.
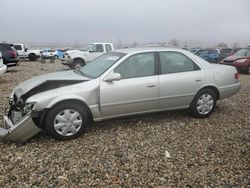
pixel 136 92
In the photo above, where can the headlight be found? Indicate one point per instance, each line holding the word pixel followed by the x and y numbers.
pixel 28 107
pixel 241 60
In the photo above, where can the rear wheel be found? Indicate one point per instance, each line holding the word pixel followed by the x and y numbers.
pixel 32 57
pixel 66 121
pixel 203 103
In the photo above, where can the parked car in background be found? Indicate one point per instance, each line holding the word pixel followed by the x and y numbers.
pixel 47 53
pixel 3 67
pixel 59 54
pixel 240 60
pixel 210 55
pixel 79 58
pixel 9 54
pixel 119 83
pixel 195 49
pixel 225 52
pixel 23 52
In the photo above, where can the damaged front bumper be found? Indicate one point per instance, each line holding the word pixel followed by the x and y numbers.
pixel 21 131
pixel 67 61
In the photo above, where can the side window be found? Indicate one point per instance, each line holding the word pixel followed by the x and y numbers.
pixel 18 47
pixel 97 48
pixel 248 53
pixel 108 47
pixel 201 52
pixel 174 62
pixel 212 51
pixel 139 65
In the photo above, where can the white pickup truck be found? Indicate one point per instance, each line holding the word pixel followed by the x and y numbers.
pixel 23 52
pixel 78 58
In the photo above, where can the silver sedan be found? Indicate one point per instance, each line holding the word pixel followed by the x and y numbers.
pixel 120 83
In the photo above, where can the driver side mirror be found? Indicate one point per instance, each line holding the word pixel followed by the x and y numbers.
pixel 25 49
pixel 113 77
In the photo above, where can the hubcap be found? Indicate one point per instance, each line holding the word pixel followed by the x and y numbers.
pixel 68 122
pixel 205 104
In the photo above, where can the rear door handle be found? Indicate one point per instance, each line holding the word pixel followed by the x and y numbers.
pixel 151 85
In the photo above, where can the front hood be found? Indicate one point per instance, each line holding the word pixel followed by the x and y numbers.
pixel 48 81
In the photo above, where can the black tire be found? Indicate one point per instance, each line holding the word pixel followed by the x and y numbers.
pixel 32 57
pixel 59 111
pixel 216 60
pixel 78 63
pixel 203 113
pixel 248 70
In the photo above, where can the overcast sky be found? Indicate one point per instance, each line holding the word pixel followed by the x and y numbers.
pixel 66 21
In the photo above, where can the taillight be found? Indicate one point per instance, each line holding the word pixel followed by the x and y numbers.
pixel 236 76
pixel 13 54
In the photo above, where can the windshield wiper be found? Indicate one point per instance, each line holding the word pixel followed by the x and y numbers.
pixel 78 71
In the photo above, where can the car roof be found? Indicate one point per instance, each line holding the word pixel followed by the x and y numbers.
pixel 146 49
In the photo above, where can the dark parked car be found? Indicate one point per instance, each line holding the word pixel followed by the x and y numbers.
pixel 210 55
pixel 240 60
pixel 225 52
pixel 9 53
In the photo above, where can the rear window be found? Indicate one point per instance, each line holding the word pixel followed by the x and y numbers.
pixel 242 52
pixel 226 50
pixel 5 47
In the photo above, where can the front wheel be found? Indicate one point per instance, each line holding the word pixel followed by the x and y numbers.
pixel 78 63
pixel 203 103
pixel 66 121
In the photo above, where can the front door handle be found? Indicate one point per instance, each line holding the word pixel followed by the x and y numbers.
pixel 198 79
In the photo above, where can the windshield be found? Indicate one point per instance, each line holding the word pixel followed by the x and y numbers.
pixel 242 52
pixel 102 63
pixel 86 48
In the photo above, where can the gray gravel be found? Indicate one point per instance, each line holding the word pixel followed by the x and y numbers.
pixel 131 152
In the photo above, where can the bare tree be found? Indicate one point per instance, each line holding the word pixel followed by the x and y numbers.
pixel 134 44
pixel 119 43
pixel 174 42
pixel 222 45
pixel 235 45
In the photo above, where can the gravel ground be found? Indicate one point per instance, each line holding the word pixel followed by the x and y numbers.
pixel 134 151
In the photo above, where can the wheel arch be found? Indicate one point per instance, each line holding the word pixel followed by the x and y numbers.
pixel 32 53
pixel 40 122
pixel 79 58
pixel 214 89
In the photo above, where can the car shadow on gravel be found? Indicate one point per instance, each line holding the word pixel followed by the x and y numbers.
pixel 130 121
pixel 113 124
pixel 11 70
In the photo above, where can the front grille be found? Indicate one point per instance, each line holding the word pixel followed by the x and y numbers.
pixel 228 62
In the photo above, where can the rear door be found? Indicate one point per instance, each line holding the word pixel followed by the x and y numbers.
pixel 180 79
pixel 136 92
